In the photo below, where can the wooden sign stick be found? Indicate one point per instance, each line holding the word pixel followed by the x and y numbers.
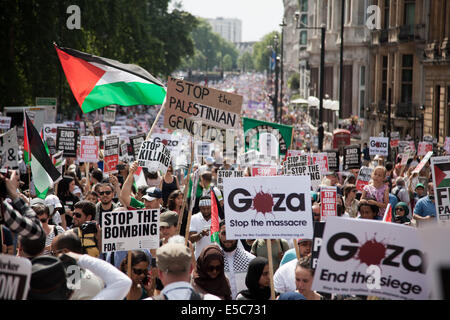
pixel 269 254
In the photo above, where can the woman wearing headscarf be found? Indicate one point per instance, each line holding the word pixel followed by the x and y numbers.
pixel 401 213
pixel 257 281
pixel 209 274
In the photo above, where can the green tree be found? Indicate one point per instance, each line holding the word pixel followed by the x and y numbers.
pixel 245 62
pixel 262 51
pixel 227 63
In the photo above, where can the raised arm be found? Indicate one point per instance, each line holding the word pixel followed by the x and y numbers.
pixel 125 192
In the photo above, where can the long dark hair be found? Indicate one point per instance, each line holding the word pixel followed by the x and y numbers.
pixel 171 204
pixel 63 186
pixel 137 256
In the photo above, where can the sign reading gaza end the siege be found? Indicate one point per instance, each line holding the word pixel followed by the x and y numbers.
pixel 202 111
pixel 372 258
pixel 378 146
pixel 15 274
pixel 268 207
pixel 66 141
pixel 130 230
pixel 154 156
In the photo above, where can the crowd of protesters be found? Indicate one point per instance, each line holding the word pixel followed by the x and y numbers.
pixel 64 229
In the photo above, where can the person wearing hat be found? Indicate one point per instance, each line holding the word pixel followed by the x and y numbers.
pixel 200 226
pixel 419 193
pixel 209 163
pixel 168 222
pixel 152 197
pixel 174 262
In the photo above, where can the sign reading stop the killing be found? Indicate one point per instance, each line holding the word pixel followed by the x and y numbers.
pixel 328 199
pixel 88 149
pixel 268 207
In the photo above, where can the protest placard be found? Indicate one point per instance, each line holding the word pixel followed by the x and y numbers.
pixel 268 207
pixel 203 149
pixel 319 228
pixel 328 201
pixel 423 162
pixel 59 161
pixel 5 123
pixel 364 176
pixel 395 139
pixel 333 160
pixel 15 275
pixel 297 160
pixel 264 171
pixel 248 158
pixel 9 149
pixel 253 128
pixel 221 174
pixel 130 230
pixel 88 149
pixel 109 114
pixel 378 146
pixel 154 156
pixel 321 159
pixel 435 239
pixel 424 147
pixel 312 171
pixel 201 111
pixel 440 168
pixel 373 258
pixel 352 157
pixel 292 153
pixel 447 145
pixel 111 154
pixel 66 141
pixel 135 142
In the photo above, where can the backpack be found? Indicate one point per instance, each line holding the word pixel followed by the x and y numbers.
pixel 89 243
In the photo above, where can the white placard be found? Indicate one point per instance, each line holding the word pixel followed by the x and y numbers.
pixel 15 275
pixel 221 174
pixel 130 230
pixel 374 258
pixel 8 149
pixel 154 156
pixel 379 146
pixel 268 207
pixel 5 123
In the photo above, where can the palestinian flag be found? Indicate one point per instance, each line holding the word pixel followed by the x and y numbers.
pixel 139 178
pixel 214 218
pixel 442 175
pixel 42 169
pixel 98 82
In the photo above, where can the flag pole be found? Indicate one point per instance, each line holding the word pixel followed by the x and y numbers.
pixel 156 119
pixel 269 255
pixel 186 186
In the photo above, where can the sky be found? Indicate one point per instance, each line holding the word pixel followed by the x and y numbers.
pixel 259 17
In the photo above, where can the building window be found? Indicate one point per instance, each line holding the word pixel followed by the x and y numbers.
pixel 303 37
pixel 362 89
pixel 407 78
pixel 384 80
pixel 409 15
pixel 348 7
pixel 447 123
pixel 436 113
pixel 387 3
pixel 303 5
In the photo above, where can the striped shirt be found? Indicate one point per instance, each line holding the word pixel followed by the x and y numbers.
pixel 21 219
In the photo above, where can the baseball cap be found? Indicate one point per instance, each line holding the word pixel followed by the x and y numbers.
pixel 152 193
pixel 168 218
pixel 173 258
pixel 209 160
pixel 420 185
pixel 48 279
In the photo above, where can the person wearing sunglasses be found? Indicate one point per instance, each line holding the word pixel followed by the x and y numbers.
pixel 140 287
pixel 401 213
pixel 106 203
pixel 168 184
pixel 209 275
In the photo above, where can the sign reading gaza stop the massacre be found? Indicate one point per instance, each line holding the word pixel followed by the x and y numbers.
pixel 203 112
pixel 66 141
pixel 15 274
pixel 222 174
pixel 374 258
pixel 154 156
pixel 130 230
pixel 268 207
pixel 440 167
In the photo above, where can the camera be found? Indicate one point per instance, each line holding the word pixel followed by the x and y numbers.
pixel 89 227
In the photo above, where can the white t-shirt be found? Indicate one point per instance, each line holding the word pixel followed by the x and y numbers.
pixel 284 277
pixel 198 223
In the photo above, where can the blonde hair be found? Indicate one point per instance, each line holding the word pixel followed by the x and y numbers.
pixel 379 168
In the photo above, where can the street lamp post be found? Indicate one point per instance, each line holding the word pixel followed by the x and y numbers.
pixel 300 25
pixel 282 25
pixel 275 100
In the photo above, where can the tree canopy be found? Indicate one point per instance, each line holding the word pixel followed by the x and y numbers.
pixel 140 32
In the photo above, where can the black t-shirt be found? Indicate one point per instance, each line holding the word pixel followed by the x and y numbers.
pixel 68 202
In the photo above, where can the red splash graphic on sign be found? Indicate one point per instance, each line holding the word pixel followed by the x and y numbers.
pixel 372 252
pixel 263 202
pixel 164 142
